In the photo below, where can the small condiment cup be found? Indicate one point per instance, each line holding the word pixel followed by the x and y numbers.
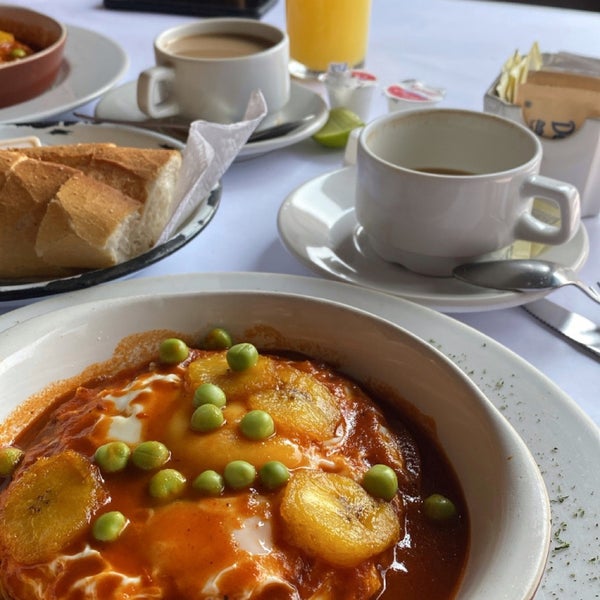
pixel 412 94
pixel 350 88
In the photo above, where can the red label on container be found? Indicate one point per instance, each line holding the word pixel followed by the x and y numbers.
pixel 400 92
pixel 363 75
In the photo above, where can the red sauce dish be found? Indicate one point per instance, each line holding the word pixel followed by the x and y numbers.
pixel 30 76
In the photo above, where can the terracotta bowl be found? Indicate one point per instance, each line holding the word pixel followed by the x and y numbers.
pixel 26 78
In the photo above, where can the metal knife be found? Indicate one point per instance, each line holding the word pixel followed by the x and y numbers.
pixel 574 327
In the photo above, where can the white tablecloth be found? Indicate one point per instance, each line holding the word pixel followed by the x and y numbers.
pixel 457 44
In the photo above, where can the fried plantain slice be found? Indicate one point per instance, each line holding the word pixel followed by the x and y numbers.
pixel 300 405
pixel 49 505
pixel 332 517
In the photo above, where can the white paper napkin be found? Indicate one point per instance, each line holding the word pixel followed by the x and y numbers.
pixel 209 151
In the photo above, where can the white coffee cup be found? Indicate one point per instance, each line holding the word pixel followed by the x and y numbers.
pixel 474 207
pixel 208 69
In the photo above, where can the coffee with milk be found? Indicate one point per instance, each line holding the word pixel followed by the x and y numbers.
pixel 218 45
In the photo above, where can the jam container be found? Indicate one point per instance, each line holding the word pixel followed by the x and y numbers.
pixel 350 88
pixel 412 94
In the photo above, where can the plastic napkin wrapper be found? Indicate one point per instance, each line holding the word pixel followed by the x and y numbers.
pixel 209 151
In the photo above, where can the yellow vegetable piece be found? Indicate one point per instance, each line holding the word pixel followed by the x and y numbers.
pixel 235 384
pixel 49 506
pixel 332 517
pixel 301 406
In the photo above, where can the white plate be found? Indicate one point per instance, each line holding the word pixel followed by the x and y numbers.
pixel 53 134
pixel 562 439
pixel 60 133
pixel 121 103
pixel 317 224
pixel 92 64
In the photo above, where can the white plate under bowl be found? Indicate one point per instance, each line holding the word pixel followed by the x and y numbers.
pixel 121 103
pixel 508 506
pixel 317 224
pixel 92 64
pixel 79 133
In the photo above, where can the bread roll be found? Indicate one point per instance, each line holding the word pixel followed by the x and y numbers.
pixel 26 186
pixel 88 223
pixel 84 206
pixel 148 175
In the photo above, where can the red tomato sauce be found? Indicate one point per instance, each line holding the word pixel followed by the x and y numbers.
pixel 12 49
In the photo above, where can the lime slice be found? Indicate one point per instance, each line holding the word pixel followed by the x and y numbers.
pixel 334 134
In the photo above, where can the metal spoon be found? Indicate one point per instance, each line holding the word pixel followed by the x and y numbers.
pixel 522 275
pixel 267 133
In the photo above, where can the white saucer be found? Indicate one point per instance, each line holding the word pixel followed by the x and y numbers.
pixel 92 64
pixel 121 103
pixel 317 224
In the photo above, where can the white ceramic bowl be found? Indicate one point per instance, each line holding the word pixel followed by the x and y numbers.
pixel 507 501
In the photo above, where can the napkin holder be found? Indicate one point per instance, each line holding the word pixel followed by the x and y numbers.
pixel 574 158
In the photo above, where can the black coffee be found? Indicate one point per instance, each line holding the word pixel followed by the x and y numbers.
pixel 444 171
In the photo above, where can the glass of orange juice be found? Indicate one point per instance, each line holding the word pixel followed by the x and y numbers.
pixel 326 31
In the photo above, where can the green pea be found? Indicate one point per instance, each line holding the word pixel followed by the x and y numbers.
pixel 242 356
pixel 273 474
pixel 257 425
pixel 150 455
pixel 18 53
pixel 239 474
pixel 439 508
pixel 173 350
pixel 10 457
pixel 381 482
pixel 167 484
pixel 112 456
pixel 109 526
pixel 209 393
pixel 217 339
pixel 207 417
pixel 209 483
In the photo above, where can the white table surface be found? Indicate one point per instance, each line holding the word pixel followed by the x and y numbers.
pixel 457 44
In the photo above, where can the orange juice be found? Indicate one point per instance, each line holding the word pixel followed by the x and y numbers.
pixel 327 31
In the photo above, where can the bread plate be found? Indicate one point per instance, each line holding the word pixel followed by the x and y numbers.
pixel 74 133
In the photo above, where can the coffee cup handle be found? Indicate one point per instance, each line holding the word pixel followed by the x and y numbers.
pixel 565 195
pixel 151 85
